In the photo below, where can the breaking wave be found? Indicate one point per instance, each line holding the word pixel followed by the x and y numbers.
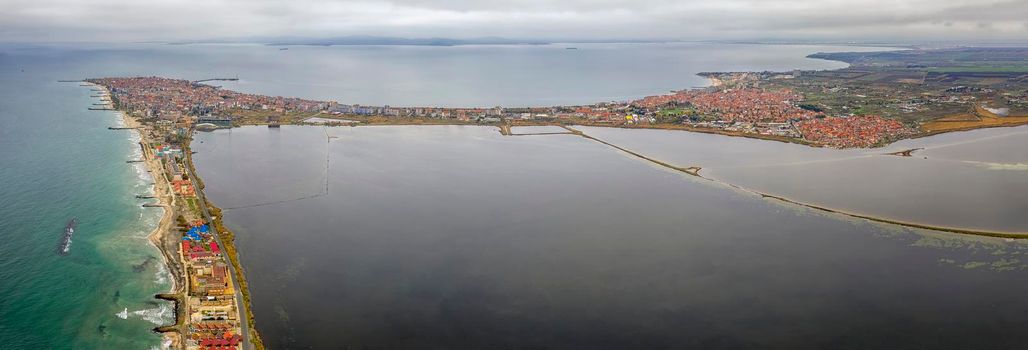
pixel 159 315
pixel 162 274
pixel 165 344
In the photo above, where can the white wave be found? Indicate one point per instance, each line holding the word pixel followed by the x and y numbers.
pixel 67 247
pixel 158 315
pixel 123 314
pixel 165 345
pixel 118 121
pixel 162 274
pixel 143 175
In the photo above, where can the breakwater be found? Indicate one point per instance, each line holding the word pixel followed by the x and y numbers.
pixel 214 79
pixel 179 310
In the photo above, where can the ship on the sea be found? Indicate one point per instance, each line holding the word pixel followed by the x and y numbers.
pixel 69 230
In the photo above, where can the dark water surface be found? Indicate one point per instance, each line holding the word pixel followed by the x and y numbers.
pixel 456 237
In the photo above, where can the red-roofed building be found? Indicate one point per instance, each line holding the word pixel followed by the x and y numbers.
pixel 183 187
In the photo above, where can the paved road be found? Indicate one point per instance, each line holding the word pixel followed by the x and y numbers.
pixel 241 304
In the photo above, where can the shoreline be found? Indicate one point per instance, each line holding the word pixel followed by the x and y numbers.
pixel 158 237
pixel 162 237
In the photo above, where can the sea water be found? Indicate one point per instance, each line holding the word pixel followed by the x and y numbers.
pixel 59 161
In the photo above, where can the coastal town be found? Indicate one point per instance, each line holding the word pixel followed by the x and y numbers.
pixel 744 111
pixel 209 293
pixel 863 106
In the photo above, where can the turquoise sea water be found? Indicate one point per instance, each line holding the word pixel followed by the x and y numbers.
pixel 59 162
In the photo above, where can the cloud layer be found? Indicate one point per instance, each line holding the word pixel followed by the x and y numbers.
pixel 125 20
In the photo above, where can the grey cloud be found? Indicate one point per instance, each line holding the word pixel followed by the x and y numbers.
pixel 119 20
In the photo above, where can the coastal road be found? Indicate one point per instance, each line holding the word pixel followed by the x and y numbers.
pixel 244 323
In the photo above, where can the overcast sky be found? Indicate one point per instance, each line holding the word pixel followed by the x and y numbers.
pixel 136 20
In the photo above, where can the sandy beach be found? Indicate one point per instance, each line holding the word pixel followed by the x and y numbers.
pixel 160 237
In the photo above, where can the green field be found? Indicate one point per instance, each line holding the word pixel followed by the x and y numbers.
pixel 193 206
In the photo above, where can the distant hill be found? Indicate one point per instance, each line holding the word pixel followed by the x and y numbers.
pixel 996 59
pixel 381 40
pixel 397 41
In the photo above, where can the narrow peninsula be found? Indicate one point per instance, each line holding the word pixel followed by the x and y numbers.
pixel 882 97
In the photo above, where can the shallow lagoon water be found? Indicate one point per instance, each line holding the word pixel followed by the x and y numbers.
pixel 458 237
pixel 966 180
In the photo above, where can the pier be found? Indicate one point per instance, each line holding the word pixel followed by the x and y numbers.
pixel 101 109
pixel 904 153
pixel 134 161
pixel 142 196
pixel 152 205
pixel 69 81
pixel 215 79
